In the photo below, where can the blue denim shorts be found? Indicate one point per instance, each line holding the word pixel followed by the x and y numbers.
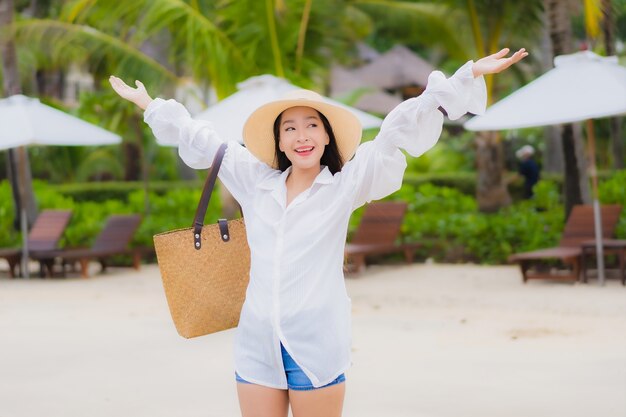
pixel 296 378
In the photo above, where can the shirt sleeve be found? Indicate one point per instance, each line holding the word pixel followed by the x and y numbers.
pixel 414 125
pixel 198 143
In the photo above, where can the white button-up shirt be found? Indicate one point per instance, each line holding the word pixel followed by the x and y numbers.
pixel 297 295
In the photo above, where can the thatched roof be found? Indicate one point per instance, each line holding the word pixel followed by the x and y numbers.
pixel 397 68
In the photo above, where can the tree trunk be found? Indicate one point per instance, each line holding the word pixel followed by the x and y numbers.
pixel 575 180
pixel 583 164
pixel 132 161
pixel 571 190
pixel 608 33
pixel 19 167
pixel 617 143
pixel 553 149
pixel 553 161
pixel 491 191
pixel 51 83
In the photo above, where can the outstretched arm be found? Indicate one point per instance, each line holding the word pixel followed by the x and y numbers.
pixel 415 126
pixel 138 95
pixel 197 140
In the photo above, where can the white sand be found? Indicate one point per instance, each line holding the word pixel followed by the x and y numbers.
pixel 428 340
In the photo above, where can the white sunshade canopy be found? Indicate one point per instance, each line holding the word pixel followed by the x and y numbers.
pixel 229 115
pixel 27 121
pixel 581 86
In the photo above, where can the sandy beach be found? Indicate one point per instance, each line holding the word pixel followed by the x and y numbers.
pixel 428 341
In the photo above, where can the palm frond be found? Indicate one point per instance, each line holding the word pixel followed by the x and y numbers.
pixel 66 42
pixel 593 17
pixel 207 50
pixel 426 24
pixel 195 41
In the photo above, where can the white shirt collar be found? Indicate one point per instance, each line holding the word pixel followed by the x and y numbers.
pixel 272 182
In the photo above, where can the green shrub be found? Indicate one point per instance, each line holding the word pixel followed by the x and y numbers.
pixel 613 191
pixel 447 215
pixel 452 219
pixel 9 237
pixel 171 209
pixel 102 191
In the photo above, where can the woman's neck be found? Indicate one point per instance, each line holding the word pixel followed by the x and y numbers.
pixel 300 180
pixel 304 175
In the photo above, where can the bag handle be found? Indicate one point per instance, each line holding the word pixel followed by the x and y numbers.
pixel 198 221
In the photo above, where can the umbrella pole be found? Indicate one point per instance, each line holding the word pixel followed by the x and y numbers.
pixel 597 214
pixel 23 177
pixel 24 226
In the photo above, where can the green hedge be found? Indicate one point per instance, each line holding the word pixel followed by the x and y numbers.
pixel 445 215
pixel 465 182
pixel 8 236
pixel 451 218
pixel 454 230
pixel 102 191
pixel 169 210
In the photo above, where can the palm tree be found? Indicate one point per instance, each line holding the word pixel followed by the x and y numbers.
pixel 161 41
pixel 216 43
pixel 18 163
pixel 600 21
pixel 575 181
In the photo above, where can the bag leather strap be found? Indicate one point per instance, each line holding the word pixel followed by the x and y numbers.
pixel 198 221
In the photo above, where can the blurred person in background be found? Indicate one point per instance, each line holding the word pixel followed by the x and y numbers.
pixel 528 168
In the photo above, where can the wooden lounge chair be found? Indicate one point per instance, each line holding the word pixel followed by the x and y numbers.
pixel 377 234
pixel 43 237
pixel 112 240
pixel 578 229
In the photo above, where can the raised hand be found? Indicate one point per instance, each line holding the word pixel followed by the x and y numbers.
pixel 138 95
pixel 497 62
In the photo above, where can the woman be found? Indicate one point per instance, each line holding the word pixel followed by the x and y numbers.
pixel 298 182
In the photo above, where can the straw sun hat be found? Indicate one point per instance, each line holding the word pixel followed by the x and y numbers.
pixel 258 133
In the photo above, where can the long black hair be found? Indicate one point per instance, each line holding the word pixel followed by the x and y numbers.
pixel 331 157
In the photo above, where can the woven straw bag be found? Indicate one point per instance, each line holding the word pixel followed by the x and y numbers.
pixel 205 269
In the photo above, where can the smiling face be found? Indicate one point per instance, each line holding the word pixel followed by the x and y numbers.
pixel 302 137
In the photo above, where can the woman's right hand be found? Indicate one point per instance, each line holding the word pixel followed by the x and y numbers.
pixel 138 95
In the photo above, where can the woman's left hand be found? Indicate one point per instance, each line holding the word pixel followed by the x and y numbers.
pixel 497 62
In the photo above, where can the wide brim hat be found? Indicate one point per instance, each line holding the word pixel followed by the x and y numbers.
pixel 258 131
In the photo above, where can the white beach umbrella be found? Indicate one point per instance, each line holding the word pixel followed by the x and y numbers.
pixel 229 115
pixel 26 121
pixel 582 86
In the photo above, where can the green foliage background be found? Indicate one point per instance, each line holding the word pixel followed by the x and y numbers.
pixel 445 218
pixel 170 209
pixel 449 222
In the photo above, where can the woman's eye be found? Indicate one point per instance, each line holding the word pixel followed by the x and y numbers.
pixel 313 125
pixel 288 129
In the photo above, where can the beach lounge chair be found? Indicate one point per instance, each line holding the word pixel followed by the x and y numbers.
pixel 579 228
pixel 43 237
pixel 114 239
pixel 377 234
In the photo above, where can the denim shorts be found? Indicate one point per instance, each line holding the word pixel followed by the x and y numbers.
pixel 296 378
